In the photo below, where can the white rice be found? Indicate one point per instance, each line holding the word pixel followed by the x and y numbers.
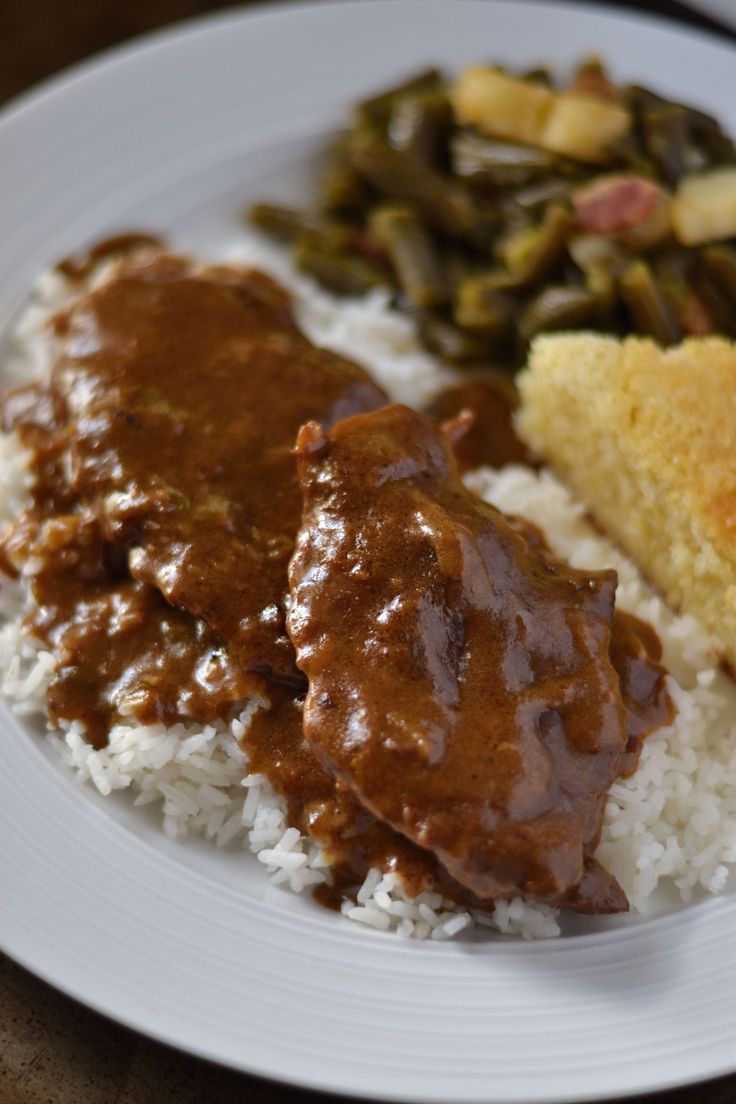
pixel 673 824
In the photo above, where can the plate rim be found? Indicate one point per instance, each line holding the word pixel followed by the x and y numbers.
pixel 31 97
pixel 35 98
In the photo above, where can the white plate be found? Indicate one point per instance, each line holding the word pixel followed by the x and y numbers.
pixel 189 945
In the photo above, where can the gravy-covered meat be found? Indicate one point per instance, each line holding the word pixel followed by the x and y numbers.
pixel 184 396
pixel 636 651
pixel 166 428
pixel 470 698
pixel 460 681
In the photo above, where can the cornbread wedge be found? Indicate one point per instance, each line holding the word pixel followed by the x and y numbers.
pixel 647 437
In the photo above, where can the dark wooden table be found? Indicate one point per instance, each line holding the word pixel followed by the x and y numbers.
pixel 52 1050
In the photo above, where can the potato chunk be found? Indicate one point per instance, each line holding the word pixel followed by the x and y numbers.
pixel 704 208
pixel 501 106
pixel 583 127
pixel 570 123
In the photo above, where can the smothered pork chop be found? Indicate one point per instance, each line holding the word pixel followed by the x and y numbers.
pixel 460 679
pixel 165 501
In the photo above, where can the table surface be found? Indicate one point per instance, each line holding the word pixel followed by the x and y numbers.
pixel 53 1050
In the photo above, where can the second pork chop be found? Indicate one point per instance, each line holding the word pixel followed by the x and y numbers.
pixel 459 679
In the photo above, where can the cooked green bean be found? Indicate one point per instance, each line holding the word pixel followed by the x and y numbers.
pixel 629 155
pixel 674 262
pixel 719 261
pixel 401 176
pixel 540 74
pixel 483 161
pixel 329 236
pixel 601 282
pixel 283 223
pixel 588 67
pixel 719 305
pixel 342 189
pixel 482 309
pixel 701 122
pixel 709 144
pixel 448 341
pixel 648 307
pixel 419 124
pixel 457 264
pixel 488 240
pixel 377 107
pixel 639 98
pixel 666 133
pixel 341 274
pixel 531 254
pixel 400 232
pixel 557 308
pixel 554 189
pixel 718 145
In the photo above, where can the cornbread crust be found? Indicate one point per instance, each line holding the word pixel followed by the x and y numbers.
pixel 647 438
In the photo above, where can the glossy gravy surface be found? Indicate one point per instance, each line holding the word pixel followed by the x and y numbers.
pixel 163 516
pixel 489 437
pixel 460 678
pixel 166 501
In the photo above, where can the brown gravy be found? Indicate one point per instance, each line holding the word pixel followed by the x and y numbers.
pixel 166 501
pixel 489 438
pixel 163 517
pixel 460 679
pixel 79 267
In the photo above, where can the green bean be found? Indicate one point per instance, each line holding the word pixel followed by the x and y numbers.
pixel 666 134
pixel 559 307
pixel 673 263
pixel 638 98
pixel 634 152
pixel 420 124
pixel 482 309
pixel 341 274
pixel 399 231
pixel 710 135
pixel 719 261
pixel 478 237
pixel 539 75
pixel 447 341
pixel 596 251
pixel 499 280
pixel 648 307
pixel 591 66
pixel 628 153
pixel 532 254
pixel 329 236
pixel 286 224
pixel 719 146
pixel 483 161
pixel 703 129
pixel 341 188
pixel 601 282
pixel 555 189
pixel 401 176
pixel 488 220
pixel 457 264
pixel 378 107
pixel 719 305
pixel 283 223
